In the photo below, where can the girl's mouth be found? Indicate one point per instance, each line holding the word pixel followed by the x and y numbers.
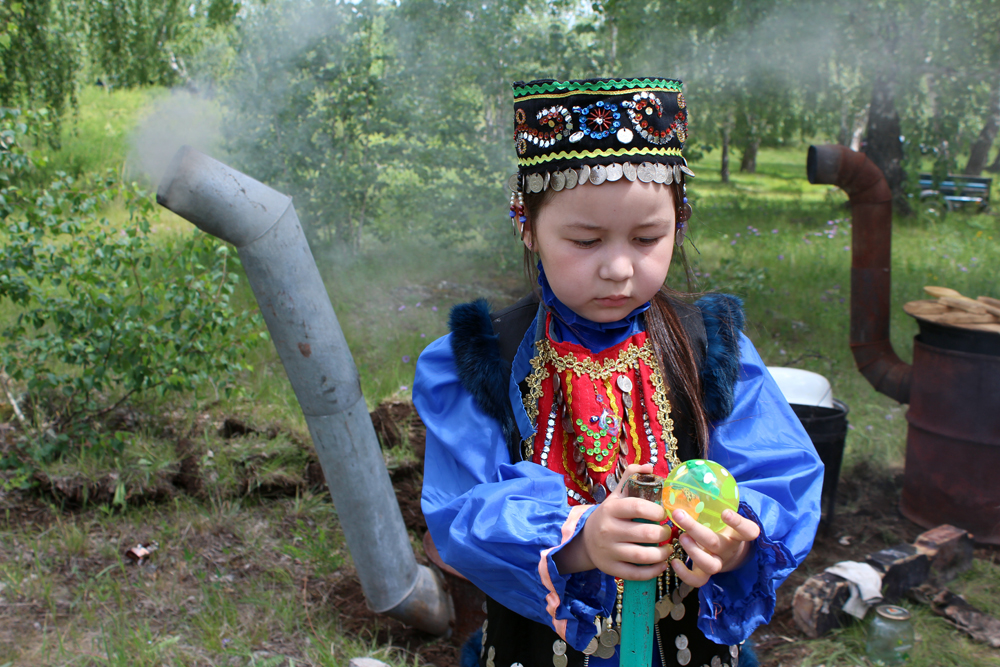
pixel 612 301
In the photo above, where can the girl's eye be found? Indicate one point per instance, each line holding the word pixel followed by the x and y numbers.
pixel 587 243
pixel 648 240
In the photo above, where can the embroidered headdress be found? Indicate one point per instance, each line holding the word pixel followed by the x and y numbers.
pixel 597 130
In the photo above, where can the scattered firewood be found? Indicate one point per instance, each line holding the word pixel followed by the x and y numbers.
pixel 949 549
pixel 818 603
pixel 956 610
pixel 901 567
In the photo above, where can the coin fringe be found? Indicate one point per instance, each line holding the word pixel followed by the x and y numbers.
pixel 656 172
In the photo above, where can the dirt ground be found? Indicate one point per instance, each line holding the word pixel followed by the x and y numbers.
pixel 866 520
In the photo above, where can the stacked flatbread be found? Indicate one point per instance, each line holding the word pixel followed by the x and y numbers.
pixel 954 309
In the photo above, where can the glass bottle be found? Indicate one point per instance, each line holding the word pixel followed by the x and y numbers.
pixel 890 636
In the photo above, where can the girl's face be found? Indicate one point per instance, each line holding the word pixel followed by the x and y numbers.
pixel 605 248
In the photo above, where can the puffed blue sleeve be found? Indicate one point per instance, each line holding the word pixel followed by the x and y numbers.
pixel 499 524
pixel 780 478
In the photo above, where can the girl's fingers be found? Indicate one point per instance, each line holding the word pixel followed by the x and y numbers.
pixel 701 558
pixel 694 578
pixel 703 535
pixel 745 529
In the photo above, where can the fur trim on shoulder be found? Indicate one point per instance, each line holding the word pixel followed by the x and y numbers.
pixel 478 361
pixel 724 319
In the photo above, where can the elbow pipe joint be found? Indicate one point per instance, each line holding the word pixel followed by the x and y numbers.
pixel 287 285
pixel 871 241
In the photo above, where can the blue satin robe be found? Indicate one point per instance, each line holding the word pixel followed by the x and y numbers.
pixel 492 520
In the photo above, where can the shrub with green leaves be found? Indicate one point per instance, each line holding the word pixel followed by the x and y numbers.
pixel 101 314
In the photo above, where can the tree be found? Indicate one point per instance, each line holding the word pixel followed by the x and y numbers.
pixel 39 61
pixel 144 42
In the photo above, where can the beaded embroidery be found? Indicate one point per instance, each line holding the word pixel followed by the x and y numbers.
pixel 598 442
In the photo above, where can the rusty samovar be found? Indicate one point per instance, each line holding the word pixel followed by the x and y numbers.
pixel 953 386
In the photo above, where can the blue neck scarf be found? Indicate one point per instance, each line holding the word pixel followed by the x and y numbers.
pixel 569 327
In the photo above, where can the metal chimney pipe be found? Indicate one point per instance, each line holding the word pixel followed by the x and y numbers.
pixel 871 243
pixel 263 226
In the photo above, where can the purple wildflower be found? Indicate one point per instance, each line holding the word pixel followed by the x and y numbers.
pixel 401 308
pixel 774 231
pixel 417 305
pixel 733 242
pixel 781 256
pixel 434 308
pixel 423 335
pixel 406 358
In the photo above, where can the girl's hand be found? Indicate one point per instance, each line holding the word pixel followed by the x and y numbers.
pixel 615 544
pixel 712 552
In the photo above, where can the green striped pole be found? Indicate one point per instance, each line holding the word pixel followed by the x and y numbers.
pixel 639 597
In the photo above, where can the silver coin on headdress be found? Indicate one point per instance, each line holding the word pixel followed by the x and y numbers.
pixel 584 174
pixel 669 173
pixel 558 181
pixel 687 171
pixel 628 169
pixel 512 182
pixel 683 656
pixel 545 185
pixel 535 182
pixel 645 172
pixel 570 175
pixel 598 174
pixel 677 173
pixel 614 172
pixel 625 135
pixel 660 173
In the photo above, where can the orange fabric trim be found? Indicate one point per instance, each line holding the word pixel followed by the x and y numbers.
pixel 552 600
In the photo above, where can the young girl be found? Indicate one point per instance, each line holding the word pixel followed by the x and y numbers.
pixel 536 415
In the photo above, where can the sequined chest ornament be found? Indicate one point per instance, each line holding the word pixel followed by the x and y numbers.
pixel 598 413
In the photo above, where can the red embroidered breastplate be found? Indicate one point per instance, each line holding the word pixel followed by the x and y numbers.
pixel 598 413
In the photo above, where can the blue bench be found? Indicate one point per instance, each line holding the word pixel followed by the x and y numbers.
pixel 957 190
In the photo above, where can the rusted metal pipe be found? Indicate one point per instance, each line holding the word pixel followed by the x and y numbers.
pixel 280 268
pixel 871 241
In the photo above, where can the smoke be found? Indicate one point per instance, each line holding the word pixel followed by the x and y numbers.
pixel 180 118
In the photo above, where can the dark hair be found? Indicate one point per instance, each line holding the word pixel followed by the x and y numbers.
pixel 670 341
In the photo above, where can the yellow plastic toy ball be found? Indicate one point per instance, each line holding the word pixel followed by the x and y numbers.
pixel 703 489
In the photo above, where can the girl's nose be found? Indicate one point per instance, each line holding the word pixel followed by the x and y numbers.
pixel 616 267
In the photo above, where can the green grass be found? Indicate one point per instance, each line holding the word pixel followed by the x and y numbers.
pixel 241 578
pixel 938 644
pixel 96 135
pixel 789 255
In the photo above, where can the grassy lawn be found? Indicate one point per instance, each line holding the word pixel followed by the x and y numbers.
pixel 251 566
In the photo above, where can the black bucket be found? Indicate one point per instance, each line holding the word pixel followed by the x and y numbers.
pixel 827 428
